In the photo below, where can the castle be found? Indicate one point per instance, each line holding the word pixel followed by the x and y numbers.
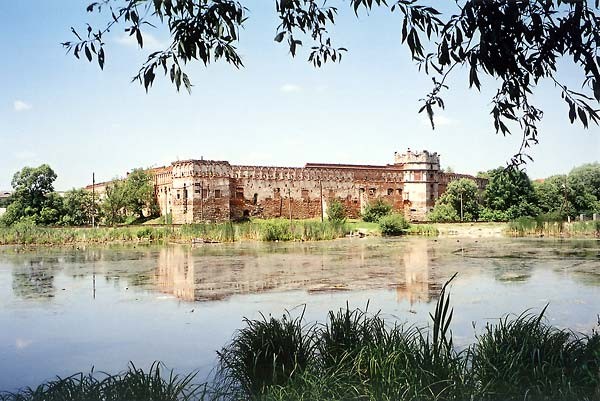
pixel 208 190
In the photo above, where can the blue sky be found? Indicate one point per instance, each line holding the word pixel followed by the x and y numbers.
pixel 276 111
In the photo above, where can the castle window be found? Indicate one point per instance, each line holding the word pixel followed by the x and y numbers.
pixel 239 193
pixel 399 190
pixel 197 187
pixel 390 191
pixel 217 193
pixel 178 194
pixel 372 191
pixel 255 199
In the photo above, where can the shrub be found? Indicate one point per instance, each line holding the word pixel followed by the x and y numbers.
pixel 443 213
pixel 393 224
pixel 376 210
pixel 336 211
pixel 487 214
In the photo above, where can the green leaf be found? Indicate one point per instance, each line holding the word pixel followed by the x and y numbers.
pixel 279 36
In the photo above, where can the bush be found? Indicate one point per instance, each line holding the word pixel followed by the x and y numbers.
pixel 276 230
pixel 336 211
pixel 393 224
pixel 376 210
pixel 443 213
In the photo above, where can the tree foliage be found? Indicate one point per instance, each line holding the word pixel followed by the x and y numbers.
pixel 114 203
pixel 139 193
pixel 78 208
pixel 33 197
pixel 130 198
pixel 460 193
pixel 516 43
pixel 510 191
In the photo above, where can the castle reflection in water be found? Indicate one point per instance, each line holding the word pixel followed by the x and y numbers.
pixel 214 273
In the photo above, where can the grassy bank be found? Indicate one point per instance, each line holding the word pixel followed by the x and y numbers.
pixel 259 230
pixel 357 355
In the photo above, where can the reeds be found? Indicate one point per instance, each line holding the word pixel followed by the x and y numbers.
pixel 133 385
pixel 259 230
pixel 552 227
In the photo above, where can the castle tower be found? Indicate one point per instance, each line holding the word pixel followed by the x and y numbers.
pixel 201 191
pixel 421 179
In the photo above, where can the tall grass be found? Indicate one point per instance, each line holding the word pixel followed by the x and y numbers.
pixel 266 352
pixel 260 230
pixel 543 226
pixel 525 355
pixel 133 385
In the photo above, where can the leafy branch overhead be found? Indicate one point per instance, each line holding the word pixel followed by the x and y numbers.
pixel 515 42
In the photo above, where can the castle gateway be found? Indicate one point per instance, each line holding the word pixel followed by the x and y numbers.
pixel 207 190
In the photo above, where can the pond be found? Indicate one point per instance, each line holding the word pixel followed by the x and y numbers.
pixel 65 310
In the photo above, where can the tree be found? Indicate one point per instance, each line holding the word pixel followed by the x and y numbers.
pixel 587 176
pixel 462 193
pixel 78 208
pixel 516 43
pixel 552 196
pixel 510 192
pixel 114 203
pixel 139 193
pixel 33 197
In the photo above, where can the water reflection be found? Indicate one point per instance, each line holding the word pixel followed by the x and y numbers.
pixel 420 285
pixel 415 268
pixel 209 273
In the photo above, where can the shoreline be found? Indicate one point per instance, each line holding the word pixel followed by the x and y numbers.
pixel 273 231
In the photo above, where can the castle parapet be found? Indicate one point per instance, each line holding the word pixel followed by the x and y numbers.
pixel 200 168
pixel 420 160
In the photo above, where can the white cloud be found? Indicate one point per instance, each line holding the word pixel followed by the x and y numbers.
pixel 20 105
pixel 290 88
pixel 150 41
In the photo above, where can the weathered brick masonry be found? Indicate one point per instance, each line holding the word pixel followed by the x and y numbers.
pixel 208 190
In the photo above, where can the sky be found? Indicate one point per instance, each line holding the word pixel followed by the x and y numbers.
pixel 277 110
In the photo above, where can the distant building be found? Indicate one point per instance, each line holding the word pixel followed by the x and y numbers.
pixel 209 190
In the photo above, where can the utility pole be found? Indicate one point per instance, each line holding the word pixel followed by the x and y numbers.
pixel 461 206
pixel 94 207
pixel 201 201
pixel 290 205
pixel 321 190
